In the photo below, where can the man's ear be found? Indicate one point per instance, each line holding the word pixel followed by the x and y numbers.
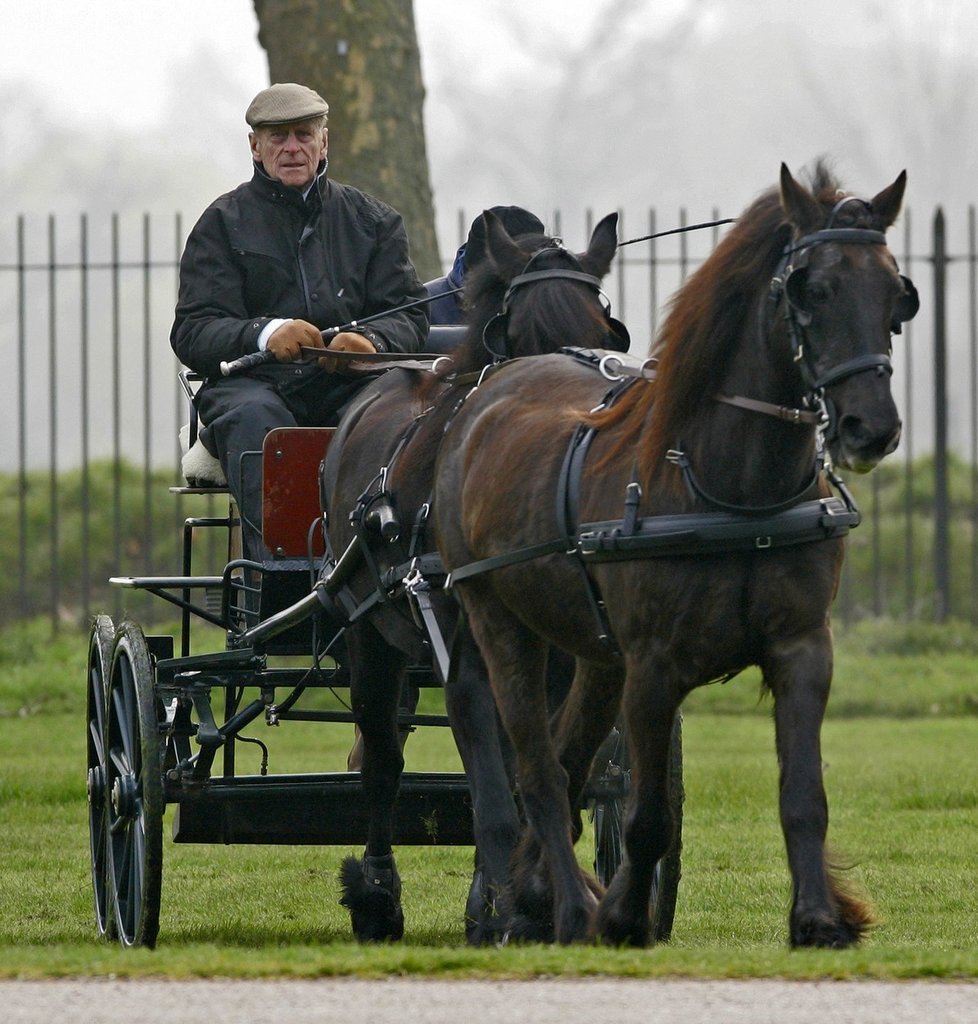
pixel 253 145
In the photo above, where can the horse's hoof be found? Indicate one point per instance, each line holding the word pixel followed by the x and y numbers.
pixel 574 923
pixel 612 931
pixel 823 932
pixel 372 894
pixel 622 917
pixel 484 925
pixel 528 929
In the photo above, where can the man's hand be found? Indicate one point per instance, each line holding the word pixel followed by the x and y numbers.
pixel 287 342
pixel 347 341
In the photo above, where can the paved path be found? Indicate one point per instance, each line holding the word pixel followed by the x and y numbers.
pixel 550 1001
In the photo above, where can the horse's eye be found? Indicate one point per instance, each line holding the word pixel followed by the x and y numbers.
pixel 816 292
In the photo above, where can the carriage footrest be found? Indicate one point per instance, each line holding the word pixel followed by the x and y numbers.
pixel 432 809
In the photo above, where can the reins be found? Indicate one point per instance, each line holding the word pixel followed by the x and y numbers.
pixel 680 230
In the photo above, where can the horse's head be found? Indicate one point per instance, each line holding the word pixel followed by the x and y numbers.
pixel 843 299
pixel 531 295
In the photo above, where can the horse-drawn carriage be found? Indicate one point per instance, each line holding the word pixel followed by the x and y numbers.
pixel 661 527
pixel 166 724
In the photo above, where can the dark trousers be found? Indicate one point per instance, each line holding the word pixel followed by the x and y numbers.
pixel 237 412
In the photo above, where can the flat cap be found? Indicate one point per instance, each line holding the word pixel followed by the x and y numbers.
pixel 285 103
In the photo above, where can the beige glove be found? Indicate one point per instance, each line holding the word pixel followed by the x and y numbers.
pixel 345 342
pixel 287 341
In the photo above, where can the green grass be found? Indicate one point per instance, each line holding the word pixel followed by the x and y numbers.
pixel 117 519
pixel 899 748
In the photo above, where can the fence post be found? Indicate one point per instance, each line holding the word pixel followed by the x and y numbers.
pixel 942 559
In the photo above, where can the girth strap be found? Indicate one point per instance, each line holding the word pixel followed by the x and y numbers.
pixel 689 534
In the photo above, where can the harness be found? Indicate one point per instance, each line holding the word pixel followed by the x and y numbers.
pixel 495 335
pixel 724 529
pixel 728 529
pixel 420 572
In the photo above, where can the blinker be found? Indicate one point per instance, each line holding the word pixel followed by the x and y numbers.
pixel 906 306
pixel 794 290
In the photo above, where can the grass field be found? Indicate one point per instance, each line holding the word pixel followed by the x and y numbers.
pixel 900 750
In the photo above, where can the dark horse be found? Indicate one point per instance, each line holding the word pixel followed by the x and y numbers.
pixel 529 297
pixel 549 503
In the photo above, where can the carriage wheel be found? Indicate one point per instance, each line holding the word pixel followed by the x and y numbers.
pixel 135 791
pixel 99 661
pixel 609 817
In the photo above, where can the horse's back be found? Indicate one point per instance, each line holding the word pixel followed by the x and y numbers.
pixel 366 438
pixel 502 452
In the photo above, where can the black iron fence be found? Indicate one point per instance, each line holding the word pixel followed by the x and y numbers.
pixel 91 410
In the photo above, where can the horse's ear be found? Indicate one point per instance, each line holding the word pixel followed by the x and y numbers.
pixel 506 255
pixel 799 205
pixel 602 247
pixel 886 204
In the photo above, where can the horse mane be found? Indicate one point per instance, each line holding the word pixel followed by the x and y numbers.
pixel 704 320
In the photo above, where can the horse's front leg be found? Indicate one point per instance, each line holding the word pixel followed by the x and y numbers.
pixel 823 911
pixel 371 885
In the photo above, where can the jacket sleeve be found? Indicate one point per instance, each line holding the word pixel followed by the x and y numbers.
pixel 211 323
pixel 392 282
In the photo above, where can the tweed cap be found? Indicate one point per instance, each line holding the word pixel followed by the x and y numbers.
pixel 285 103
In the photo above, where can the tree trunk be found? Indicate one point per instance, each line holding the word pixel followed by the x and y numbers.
pixel 362 56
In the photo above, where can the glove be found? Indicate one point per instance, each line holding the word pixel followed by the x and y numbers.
pixel 347 341
pixel 287 342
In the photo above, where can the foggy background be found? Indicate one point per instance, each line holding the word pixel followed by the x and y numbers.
pixel 136 110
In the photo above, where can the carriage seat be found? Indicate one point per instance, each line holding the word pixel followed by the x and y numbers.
pixel 444 338
pixel 200 469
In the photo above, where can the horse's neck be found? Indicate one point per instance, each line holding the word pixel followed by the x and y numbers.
pixel 754 457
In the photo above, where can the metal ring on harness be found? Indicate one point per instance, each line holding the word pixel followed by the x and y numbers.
pixel 605 368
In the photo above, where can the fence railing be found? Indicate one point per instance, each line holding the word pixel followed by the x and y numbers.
pixel 90 409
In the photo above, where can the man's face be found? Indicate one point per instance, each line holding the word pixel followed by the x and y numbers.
pixel 290 153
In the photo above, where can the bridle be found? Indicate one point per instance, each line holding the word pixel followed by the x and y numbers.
pixel 789 282
pixel 495 335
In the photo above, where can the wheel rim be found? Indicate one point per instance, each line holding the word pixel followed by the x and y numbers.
pixel 134 790
pixel 99 660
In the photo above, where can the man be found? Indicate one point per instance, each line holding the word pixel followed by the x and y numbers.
pixel 446 306
pixel 269 266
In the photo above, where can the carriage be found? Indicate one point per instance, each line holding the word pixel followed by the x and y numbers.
pixel 662 523
pixel 167 724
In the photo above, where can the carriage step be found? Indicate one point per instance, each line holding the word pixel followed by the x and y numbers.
pixel 432 809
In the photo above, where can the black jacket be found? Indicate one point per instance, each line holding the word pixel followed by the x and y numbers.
pixel 262 252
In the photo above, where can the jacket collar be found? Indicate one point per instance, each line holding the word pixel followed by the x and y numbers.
pixel 275 190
